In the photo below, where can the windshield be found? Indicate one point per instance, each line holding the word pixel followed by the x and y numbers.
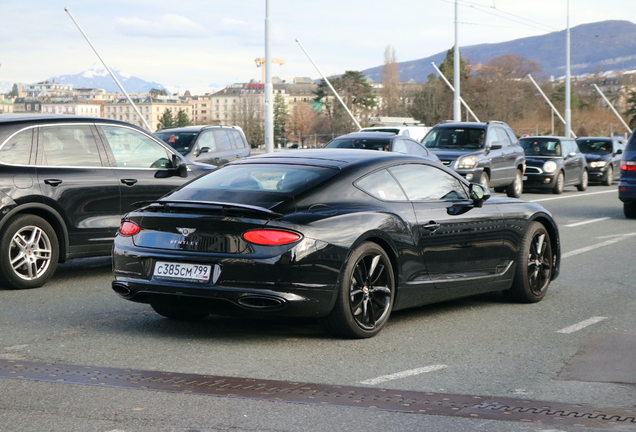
pixel 360 143
pixel 257 184
pixel 180 141
pixel 454 138
pixel 541 146
pixel 599 147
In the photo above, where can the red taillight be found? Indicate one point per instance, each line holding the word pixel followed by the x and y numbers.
pixel 128 228
pixel 628 166
pixel 269 237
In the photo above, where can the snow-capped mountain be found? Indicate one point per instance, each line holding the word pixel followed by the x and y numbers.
pixel 98 77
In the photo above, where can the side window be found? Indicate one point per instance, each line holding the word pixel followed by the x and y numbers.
pixel 491 137
pixel 133 149
pixel 382 186
pixel 399 146
pixel 428 183
pixel 416 148
pixel 206 139
pixel 17 149
pixel 511 135
pixel 67 145
pixel 504 139
pixel 570 147
pixel 222 139
pixel 237 139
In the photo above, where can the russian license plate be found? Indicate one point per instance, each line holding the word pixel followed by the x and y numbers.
pixel 182 272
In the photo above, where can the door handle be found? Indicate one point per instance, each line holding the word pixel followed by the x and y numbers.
pixel 432 226
pixel 53 182
pixel 129 182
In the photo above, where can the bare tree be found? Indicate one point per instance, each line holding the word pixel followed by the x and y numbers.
pixel 390 91
pixel 249 117
pixel 300 122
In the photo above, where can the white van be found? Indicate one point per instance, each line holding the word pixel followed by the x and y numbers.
pixel 415 132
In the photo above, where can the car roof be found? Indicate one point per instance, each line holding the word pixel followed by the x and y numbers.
pixel 367 135
pixel 197 128
pixel 599 138
pixel 47 118
pixel 546 137
pixel 463 125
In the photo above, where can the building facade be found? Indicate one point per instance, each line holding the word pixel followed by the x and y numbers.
pixel 152 109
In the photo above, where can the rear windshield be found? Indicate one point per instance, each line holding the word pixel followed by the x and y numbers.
pixel 455 138
pixel 180 141
pixel 599 147
pixel 262 185
pixel 360 143
pixel 541 147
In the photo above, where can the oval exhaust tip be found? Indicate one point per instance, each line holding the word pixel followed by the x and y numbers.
pixel 261 302
pixel 121 288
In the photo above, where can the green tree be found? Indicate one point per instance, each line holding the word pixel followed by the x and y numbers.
pixel 448 67
pixel 14 91
pixel 631 110
pixel 280 115
pixel 166 121
pixel 432 103
pixel 183 119
pixel 157 92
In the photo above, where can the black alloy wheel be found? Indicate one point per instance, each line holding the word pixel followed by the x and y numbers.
pixel 584 181
pixel 516 187
pixel 533 271
pixel 366 294
pixel 178 312
pixel 609 179
pixel 559 183
pixel 29 252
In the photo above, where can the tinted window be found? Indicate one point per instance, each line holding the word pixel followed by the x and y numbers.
pixel 222 139
pixel 360 143
pixel 427 183
pixel 591 146
pixel 382 185
pixel 68 145
pixel 180 141
pixel 17 149
pixel 541 146
pixel 454 138
pixel 132 149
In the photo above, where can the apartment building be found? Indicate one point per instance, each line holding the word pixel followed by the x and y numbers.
pixel 72 106
pixel 152 108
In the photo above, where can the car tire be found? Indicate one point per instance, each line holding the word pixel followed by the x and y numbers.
pixel 515 189
pixel 558 184
pixel 584 181
pixel 500 189
pixel 484 180
pixel 629 208
pixel 29 252
pixel 533 271
pixel 365 295
pixel 178 312
pixel 610 176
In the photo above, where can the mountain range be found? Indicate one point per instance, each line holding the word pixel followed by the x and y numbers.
pixel 98 77
pixel 594 48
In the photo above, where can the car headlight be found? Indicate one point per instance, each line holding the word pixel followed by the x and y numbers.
pixel 549 166
pixel 598 164
pixel 467 162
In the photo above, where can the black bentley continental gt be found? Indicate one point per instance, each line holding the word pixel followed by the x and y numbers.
pixel 346 236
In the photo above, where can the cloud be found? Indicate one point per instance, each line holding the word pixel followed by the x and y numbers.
pixel 166 26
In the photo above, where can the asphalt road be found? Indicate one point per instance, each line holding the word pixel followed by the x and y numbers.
pixel 476 346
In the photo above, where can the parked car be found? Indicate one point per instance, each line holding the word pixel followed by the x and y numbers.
pixel 415 132
pixel 554 162
pixel 65 183
pixel 486 153
pixel 603 157
pixel 345 236
pixel 384 141
pixel 627 182
pixel 214 145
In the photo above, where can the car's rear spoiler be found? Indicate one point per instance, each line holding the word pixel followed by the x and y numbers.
pixel 223 205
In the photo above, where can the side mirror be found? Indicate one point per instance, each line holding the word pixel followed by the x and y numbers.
pixel 204 150
pixel 495 145
pixel 619 151
pixel 478 194
pixel 180 166
pixel 571 154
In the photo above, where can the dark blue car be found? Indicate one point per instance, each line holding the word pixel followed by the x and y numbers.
pixel 627 183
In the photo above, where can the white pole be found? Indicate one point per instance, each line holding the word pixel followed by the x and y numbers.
pixel 269 88
pixel 453 89
pixel 330 86
pixel 554 110
pixel 110 72
pixel 613 109
pixel 568 112
pixel 457 108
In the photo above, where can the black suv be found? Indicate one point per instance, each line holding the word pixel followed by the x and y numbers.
pixel 486 153
pixel 214 145
pixel 65 183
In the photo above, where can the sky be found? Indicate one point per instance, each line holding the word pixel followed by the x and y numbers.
pixel 199 45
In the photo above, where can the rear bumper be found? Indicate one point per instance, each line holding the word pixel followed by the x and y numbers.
pixel 627 189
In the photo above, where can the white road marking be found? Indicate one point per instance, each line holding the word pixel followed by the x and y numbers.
pixel 398 375
pixel 574 196
pixel 598 245
pixel 587 222
pixel 581 325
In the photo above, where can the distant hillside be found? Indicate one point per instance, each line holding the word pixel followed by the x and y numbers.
pixel 596 47
pixel 98 77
